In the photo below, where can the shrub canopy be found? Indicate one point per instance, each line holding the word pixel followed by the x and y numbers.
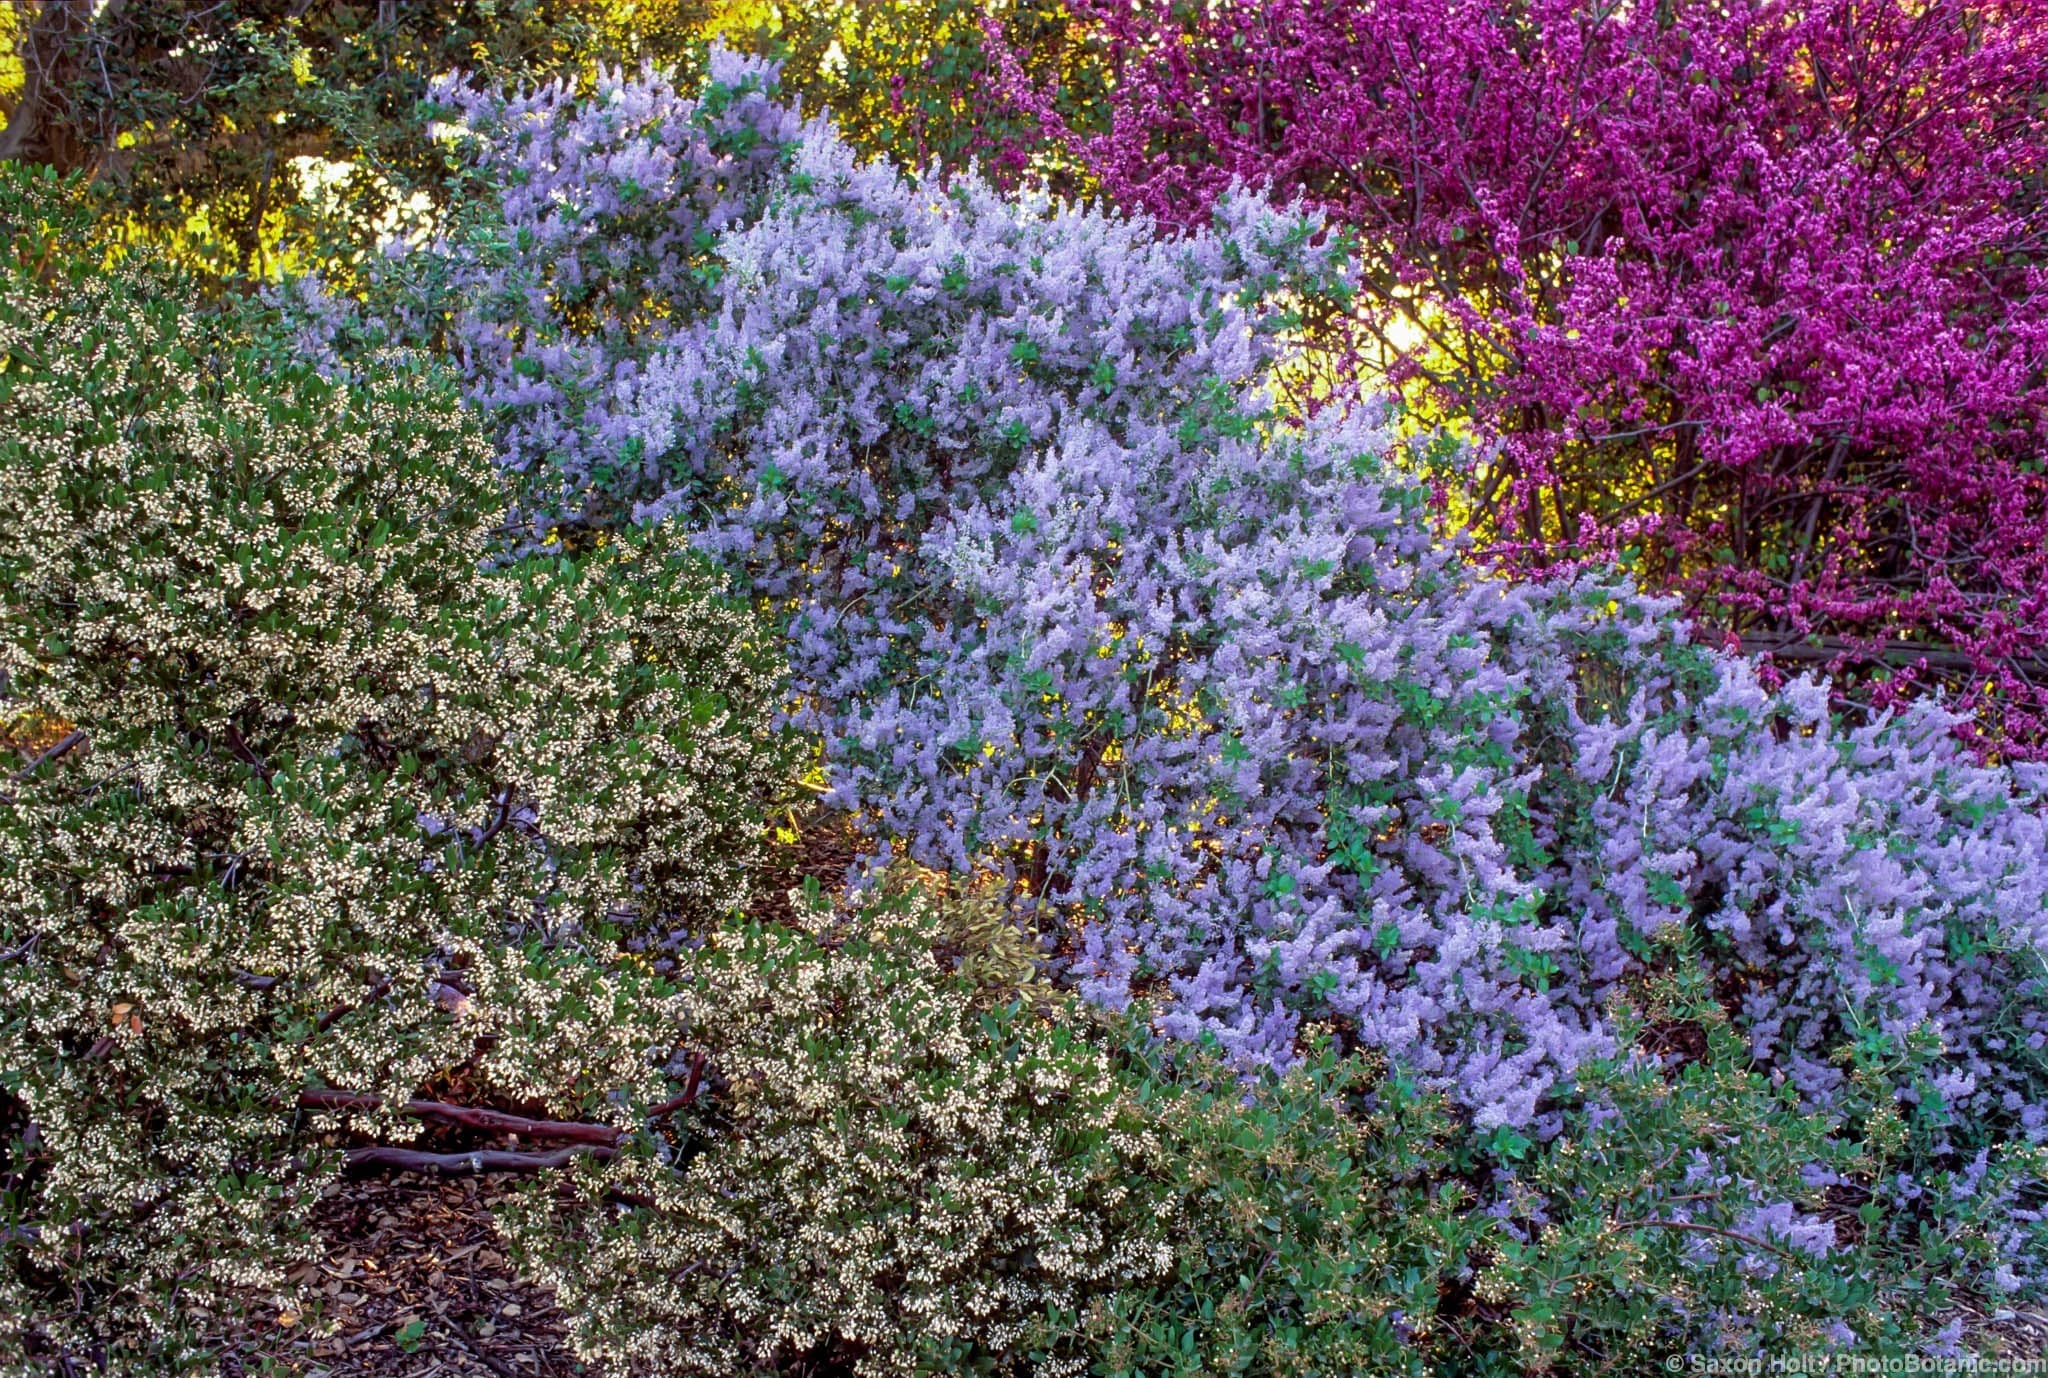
pixel 1540 987
pixel 904 1168
pixel 310 795
pixel 1755 289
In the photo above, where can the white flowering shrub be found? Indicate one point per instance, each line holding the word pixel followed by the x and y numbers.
pixel 302 793
pixel 893 1173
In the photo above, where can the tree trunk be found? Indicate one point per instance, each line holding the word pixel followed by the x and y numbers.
pixel 53 43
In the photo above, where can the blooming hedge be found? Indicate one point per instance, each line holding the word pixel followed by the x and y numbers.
pixel 901 1167
pixel 1540 989
pixel 893 1175
pixel 306 798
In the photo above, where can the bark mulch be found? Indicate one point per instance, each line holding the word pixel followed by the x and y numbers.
pixel 415 1285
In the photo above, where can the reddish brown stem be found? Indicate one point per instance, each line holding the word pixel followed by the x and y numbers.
pixel 326 1021
pixel 470 1116
pixel 689 1095
pixel 239 747
pixel 1820 650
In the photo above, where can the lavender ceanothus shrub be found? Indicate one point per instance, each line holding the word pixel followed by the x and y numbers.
pixel 1070 596
pixel 595 244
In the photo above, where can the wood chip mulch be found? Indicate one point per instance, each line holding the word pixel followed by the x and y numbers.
pixel 415 1285
pixel 2005 1331
pixel 820 844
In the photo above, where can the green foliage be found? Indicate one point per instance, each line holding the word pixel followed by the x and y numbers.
pixel 975 930
pixel 888 1174
pixel 253 132
pixel 1337 1221
pixel 256 135
pixel 1319 1225
pixel 306 791
pixel 914 82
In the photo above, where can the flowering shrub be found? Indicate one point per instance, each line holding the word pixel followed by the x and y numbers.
pixel 1545 991
pixel 1072 598
pixel 890 1175
pixel 1337 1220
pixel 595 246
pixel 304 798
pixel 1756 287
pixel 893 1176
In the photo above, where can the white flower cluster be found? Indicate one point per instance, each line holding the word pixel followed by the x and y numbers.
pixel 339 802
pixel 894 1175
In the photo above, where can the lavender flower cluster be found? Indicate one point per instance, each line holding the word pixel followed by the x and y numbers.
pixel 1074 594
pixel 587 243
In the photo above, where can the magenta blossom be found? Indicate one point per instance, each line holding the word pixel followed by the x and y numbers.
pixel 1755 289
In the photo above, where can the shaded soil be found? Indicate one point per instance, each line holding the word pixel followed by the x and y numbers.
pixel 821 846
pixel 416 1284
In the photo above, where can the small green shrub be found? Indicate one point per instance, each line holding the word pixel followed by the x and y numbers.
pixel 976 929
pixel 1339 1221
pixel 1319 1221
pixel 304 792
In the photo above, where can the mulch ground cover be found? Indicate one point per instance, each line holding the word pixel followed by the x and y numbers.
pixel 415 1283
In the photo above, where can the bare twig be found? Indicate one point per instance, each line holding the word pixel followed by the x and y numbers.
pixel 33 1234
pixel 1819 650
pixel 475 1347
pixel 239 746
pixel 497 824
pixel 1706 1229
pixel 386 1159
pixel 50 753
pixel 326 1021
pixel 366 1334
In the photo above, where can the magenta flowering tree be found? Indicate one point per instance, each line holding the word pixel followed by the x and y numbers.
pixel 1757 289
